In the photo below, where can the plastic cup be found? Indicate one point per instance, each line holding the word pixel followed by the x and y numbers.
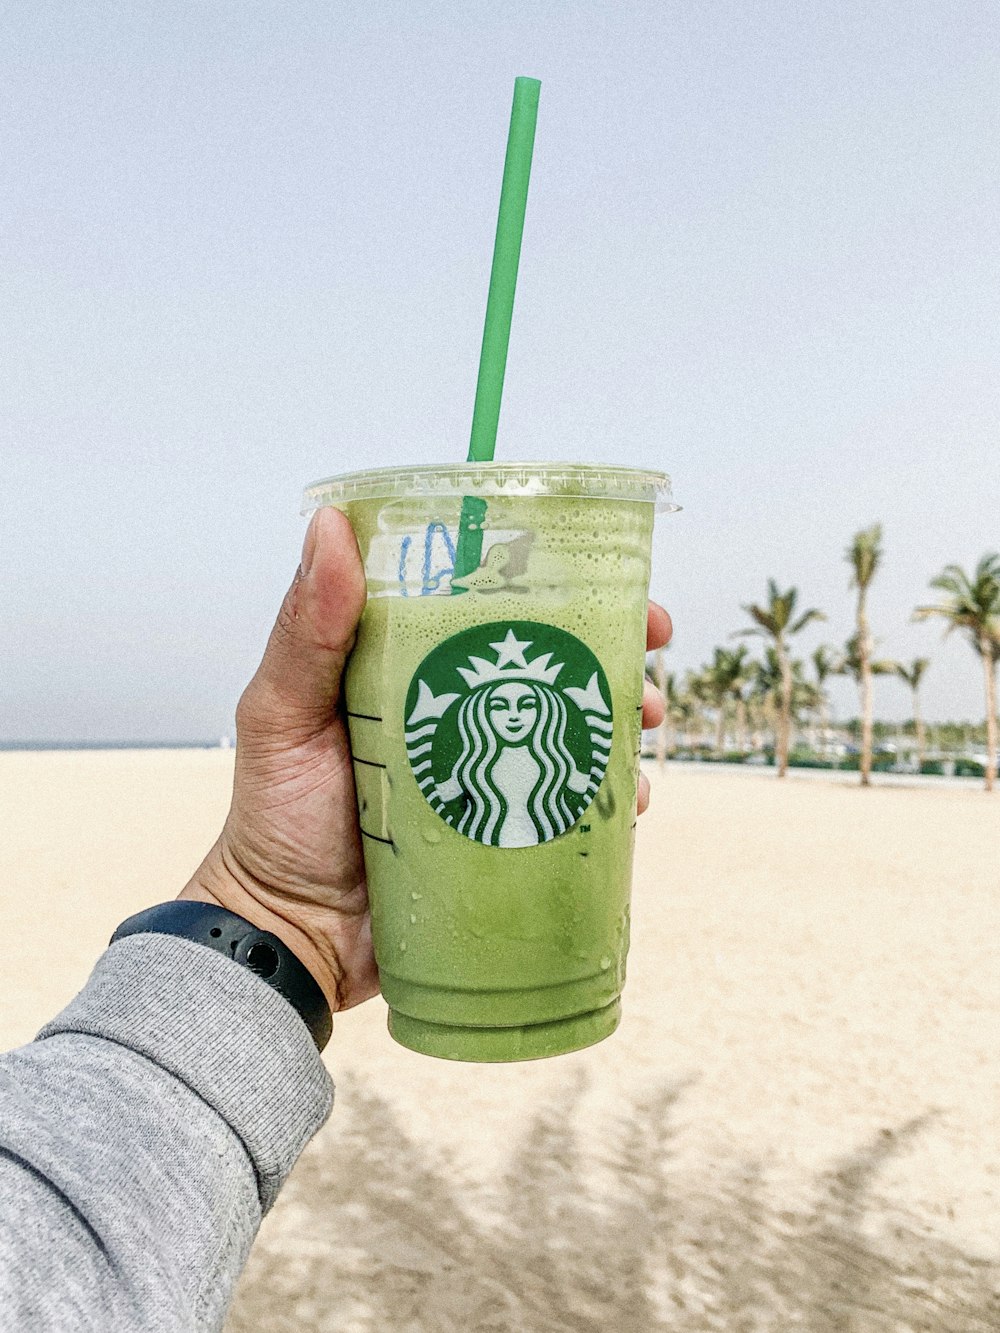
pixel 495 737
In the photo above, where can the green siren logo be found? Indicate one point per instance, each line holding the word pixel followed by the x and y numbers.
pixel 508 731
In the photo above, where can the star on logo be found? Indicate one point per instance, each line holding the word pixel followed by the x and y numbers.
pixel 511 650
pixel 511 664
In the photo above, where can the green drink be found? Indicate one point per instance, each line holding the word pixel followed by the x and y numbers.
pixel 495 737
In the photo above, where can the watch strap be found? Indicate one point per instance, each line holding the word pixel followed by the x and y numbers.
pixel 258 951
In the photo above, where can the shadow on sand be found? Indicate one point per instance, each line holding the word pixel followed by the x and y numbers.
pixel 375 1234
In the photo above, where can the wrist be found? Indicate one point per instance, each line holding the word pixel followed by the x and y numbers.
pixel 215 883
pixel 243 945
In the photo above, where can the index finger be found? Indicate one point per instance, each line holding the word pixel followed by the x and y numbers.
pixel 659 627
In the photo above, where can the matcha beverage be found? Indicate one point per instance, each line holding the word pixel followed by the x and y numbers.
pixel 495 722
pixel 494 699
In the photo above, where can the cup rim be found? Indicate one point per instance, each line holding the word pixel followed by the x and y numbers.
pixel 586 481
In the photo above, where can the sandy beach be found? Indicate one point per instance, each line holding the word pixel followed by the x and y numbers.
pixel 797 1125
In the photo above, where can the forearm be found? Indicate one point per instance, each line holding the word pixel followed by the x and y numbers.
pixel 143 1135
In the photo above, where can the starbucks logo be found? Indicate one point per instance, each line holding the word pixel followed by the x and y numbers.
pixel 508 731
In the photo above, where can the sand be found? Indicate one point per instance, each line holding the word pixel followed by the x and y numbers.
pixel 795 1127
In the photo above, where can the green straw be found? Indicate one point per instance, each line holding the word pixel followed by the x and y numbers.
pixel 503 278
pixel 499 311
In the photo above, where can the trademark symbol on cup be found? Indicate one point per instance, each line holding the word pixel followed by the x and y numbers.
pixel 584 828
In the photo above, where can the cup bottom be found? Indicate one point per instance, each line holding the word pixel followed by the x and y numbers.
pixel 482 1045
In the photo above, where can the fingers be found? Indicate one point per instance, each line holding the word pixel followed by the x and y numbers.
pixel 654 710
pixel 295 691
pixel 659 627
pixel 659 630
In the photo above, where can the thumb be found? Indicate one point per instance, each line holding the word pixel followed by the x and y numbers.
pixel 295 691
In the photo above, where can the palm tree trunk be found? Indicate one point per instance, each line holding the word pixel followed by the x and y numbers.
pixel 865 653
pixel 785 710
pixel 720 730
pixel 989 674
pixel 918 723
pixel 770 712
pixel 866 725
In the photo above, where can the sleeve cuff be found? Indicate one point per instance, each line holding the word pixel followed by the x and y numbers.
pixel 220 1030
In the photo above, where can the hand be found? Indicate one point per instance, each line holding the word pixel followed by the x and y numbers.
pixel 659 631
pixel 289 857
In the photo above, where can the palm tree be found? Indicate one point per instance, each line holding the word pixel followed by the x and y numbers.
pixel 677 710
pixel 740 676
pixel 688 710
pixel 864 555
pixel 776 621
pixel 700 693
pixel 973 605
pixel 724 679
pixel 805 695
pixel 759 707
pixel 666 733
pixel 825 663
pixel 714 686
pixel 765 693
pixel 764 696
pixel 853 664
pixel 913 674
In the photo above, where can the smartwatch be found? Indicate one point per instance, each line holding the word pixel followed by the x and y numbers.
pixel 258 951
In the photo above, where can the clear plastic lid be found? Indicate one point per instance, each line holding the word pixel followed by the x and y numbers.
pixel 591 481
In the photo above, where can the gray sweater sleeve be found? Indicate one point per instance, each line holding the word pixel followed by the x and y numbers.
pixel 143 1135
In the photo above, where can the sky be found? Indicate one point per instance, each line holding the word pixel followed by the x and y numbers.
pixel 246 245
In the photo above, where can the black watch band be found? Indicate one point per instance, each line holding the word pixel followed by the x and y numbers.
pixel 257 950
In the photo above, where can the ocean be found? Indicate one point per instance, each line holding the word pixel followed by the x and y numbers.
pixel 224 743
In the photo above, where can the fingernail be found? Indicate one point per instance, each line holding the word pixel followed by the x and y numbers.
pixel 309 545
